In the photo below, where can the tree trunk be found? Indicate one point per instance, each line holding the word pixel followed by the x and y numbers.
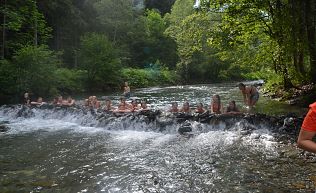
pixel 35 33
pixel 3 30
pixel 298 33
pixel 301 35
pixel 311 38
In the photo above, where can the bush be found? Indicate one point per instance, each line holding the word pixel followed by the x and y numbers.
pixel 70 81
pixel 7 81
pixel 34 69
pixel 100 60
pixel 148 77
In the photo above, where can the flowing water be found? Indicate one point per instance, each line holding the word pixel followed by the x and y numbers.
pixel 72 151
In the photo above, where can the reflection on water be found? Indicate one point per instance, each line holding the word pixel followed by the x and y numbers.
pixel 55 154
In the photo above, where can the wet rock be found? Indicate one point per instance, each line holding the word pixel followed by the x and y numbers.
pixel 4 128
pixel 25 112
pixel 245 132
pixel 286 127
pixel 185 128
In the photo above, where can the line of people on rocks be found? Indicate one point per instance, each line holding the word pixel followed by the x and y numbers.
pixel 250 95
pixel 92 102
pixel 123 107
pixel 58 101
pixel 215 107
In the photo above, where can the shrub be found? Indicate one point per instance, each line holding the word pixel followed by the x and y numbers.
pixel 100 60
pixel 34 69
pixel 70 81
pixel 148 77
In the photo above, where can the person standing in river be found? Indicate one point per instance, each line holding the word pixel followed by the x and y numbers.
pixel 216 105
pixel 127 90
pixel 308 131
pixel 27 99
pixel 250 94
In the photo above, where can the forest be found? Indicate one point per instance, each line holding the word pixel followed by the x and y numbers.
pixel 75 46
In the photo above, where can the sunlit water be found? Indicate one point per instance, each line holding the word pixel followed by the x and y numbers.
pixel 73 152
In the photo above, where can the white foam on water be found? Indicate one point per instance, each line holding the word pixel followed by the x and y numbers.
pixel 163 139
pixel 215 139
pixel 261 140
pixel 33 124
pixel 22 125
pixel 130 136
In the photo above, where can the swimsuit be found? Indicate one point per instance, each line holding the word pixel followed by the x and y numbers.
pixel 216 108
pixel 127 92
pixel 127 95
pixel 309 123
pixel 254 96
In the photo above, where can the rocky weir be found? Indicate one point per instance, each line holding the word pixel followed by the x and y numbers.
pixel 283 127
pixel 75 149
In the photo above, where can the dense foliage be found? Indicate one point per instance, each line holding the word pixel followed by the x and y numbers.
pixel 71 46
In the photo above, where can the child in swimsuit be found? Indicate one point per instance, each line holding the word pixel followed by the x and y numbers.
pixel 134 105
pixel 185 108
pixel 144 106
pixel 69 102
pixel 27 99
pixel 123 107
pixel 60 101
pixel 108 105
pixel 199 108
pixel 127 90
pixel 174 108
pixel 216 105
pixel 232 108
pixel 94 102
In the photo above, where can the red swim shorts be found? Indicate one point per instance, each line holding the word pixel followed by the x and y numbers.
pixel 309 123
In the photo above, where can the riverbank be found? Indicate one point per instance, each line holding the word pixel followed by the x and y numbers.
pixel 300 96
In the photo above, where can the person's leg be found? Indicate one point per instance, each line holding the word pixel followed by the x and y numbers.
pixel 254 99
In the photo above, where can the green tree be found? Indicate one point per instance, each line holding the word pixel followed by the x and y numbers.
pixel 288 28
pixel 192 32
pixel 22 24
pixel 70 81
pixel 35 70
pixel 8 77
pixel 160 47
pixel 179 10
pixel 100 60
pixel 70 19
pixel 116 18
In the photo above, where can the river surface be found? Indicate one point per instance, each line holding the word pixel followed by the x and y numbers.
pixel 54 152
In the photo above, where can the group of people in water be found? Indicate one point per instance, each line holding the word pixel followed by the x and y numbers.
pixel 58 101
pixel 215 107
pixel 250 94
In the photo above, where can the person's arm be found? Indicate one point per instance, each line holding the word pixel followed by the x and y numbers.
pixel 248 95
pixel 245 98
pixel 211 107
pixel 305 141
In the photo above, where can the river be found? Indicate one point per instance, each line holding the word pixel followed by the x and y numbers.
pixel 59 151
